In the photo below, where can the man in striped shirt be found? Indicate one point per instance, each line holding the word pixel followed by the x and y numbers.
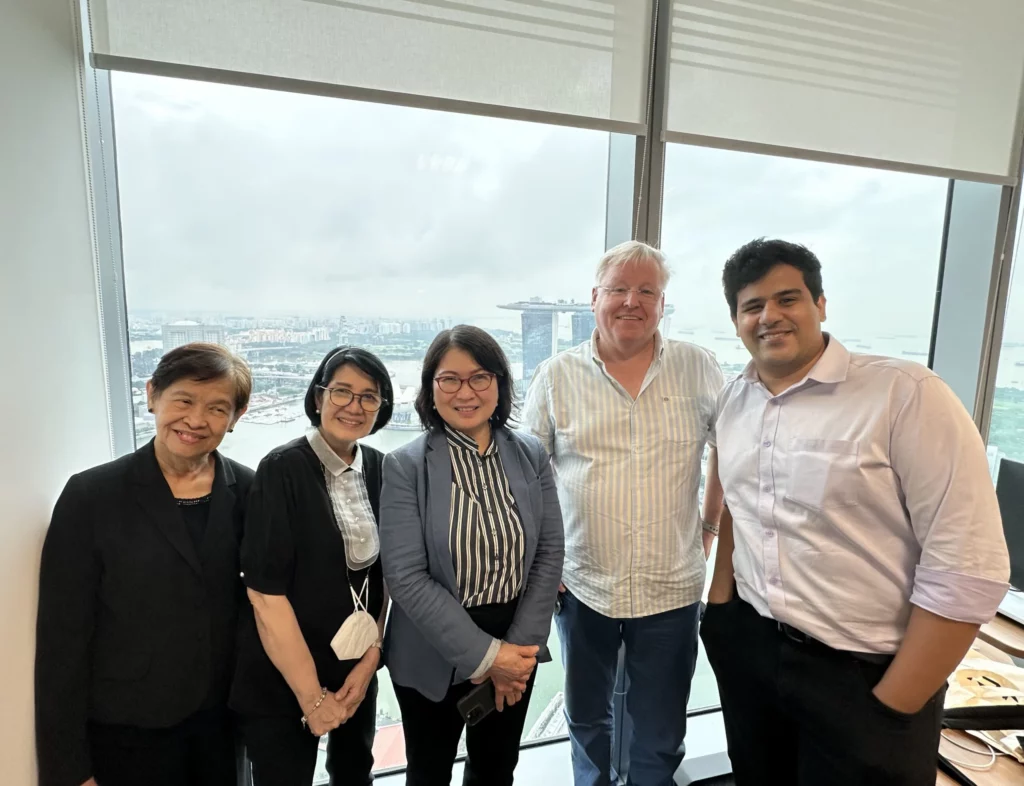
pixel 625 418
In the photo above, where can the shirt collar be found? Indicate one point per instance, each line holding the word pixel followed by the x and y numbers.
pixel 659 348
pixel 831 367
pixel 333 463
pixel 465 442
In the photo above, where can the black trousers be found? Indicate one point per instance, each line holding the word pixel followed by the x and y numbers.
pixel 799 712
pixel 283 753
pixel 202 750
pixel 432 729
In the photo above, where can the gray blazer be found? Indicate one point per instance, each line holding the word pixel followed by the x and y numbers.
pixel 430 635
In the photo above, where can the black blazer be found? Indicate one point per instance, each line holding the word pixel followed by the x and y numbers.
pixel 135 627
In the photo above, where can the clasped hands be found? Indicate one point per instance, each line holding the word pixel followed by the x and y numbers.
pixel 338 707
pixel 510 673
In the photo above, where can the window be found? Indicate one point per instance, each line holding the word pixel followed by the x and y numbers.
pixel 1006 432
pixel 282 225
pixel 878 236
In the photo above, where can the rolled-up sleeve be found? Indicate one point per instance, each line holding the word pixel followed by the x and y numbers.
pixel 940 461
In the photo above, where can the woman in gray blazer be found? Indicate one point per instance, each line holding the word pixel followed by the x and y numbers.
pixel 471 543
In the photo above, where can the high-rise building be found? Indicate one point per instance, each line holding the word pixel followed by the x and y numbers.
pixel 540 339
pixel 540 328
pixel 185 332
pixel 582 326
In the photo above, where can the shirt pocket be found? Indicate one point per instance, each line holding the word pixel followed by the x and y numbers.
pixel 682 419
pixel 823 473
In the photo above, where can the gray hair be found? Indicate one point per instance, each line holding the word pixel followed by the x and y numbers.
pixel 633 252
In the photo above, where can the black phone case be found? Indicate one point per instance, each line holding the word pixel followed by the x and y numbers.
pixel 477 704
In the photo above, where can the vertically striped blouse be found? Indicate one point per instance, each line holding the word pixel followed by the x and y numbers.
pixel 485 533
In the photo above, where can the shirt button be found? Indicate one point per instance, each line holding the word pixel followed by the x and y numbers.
pixel 362 540
pixel 769 534
pixel 767 443
pixel 636 448
pixel 775 581
pixel 766 487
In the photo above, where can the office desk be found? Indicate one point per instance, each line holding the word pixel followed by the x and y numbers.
pixel 1006 771
pixel 1004 634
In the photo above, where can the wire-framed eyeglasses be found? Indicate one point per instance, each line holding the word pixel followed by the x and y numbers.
pixel 643 294
pixel 342 397
pixel 449 383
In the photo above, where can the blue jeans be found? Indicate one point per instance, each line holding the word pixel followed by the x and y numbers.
pixel 661 653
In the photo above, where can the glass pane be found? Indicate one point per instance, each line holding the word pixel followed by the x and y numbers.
pixel 878 235
pixel 1006 433
pixel 282 225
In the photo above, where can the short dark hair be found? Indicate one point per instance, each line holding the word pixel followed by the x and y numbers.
pixel 366 362
pixel 202 362
pixel 753 261
pixel 487 352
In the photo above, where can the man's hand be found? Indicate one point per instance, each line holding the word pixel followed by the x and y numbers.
pixel 90 782
pixel 358 681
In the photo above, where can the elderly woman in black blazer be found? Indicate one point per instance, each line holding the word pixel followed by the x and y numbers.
pixel 139 595
pixel 472 544
pixel 309 648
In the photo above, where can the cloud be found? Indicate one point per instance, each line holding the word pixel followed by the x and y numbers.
pixel 249 201
pixel 244 201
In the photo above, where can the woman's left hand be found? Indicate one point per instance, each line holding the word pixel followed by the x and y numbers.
pixel 353 691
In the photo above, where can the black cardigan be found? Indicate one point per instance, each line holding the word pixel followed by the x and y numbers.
pixel 292 547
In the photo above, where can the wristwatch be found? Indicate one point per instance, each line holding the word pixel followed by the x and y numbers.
pixel 709 527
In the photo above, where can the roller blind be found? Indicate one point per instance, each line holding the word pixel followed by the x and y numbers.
pixel 924 83
pixel 584 59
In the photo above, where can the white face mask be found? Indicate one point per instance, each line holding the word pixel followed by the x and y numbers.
pixel 359 630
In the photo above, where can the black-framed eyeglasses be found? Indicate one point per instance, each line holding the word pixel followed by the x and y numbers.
pixel 449 383
pixel 342 397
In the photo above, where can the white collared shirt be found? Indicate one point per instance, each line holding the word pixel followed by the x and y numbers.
pixel 860 490
pixel 628 473
pixel 352 510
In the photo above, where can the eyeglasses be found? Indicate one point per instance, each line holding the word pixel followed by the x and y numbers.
pixel 644 294
pixel 449 383
pixel 342 397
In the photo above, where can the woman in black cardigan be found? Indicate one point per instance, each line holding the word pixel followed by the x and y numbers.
pixel 309 649
pixel 139 595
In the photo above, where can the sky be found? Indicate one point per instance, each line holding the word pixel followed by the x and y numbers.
pixel 244 201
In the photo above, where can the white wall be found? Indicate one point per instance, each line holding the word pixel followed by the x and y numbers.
pixel 53 417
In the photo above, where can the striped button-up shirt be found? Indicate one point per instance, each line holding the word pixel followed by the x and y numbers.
pixel 628 473
pixel 486 535
pixel 855 493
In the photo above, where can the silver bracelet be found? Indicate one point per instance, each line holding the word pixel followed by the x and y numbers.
pixel 709 527
pixel 323 695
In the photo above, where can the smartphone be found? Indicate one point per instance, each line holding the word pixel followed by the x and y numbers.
pixel 477 704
